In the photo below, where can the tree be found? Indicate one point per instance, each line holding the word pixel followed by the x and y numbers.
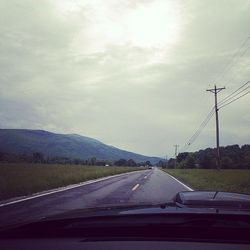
pixel 181 157
pixel 226 162
pixel 131 163
pixel 206 158
pixel 77 161
pixel 121 162
pixel 245 163
pixel 190 161
pixel 93 161
pixel 171 163
pixel 234 153
pixel 38 157
pixel 162 164
pixel 245 157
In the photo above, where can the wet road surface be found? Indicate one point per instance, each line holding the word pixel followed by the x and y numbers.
pixel 146 186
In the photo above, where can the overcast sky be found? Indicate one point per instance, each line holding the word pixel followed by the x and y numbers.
pixel 130 73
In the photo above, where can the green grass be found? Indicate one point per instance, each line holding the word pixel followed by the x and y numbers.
pixel 25 179
pixel 224 180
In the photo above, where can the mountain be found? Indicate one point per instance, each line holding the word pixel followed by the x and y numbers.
pixel 26 141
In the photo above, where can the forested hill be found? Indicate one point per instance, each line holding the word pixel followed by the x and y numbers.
pixel 73 146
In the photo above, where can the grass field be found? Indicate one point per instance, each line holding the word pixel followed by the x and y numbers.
pixel 223 180
pixel 25 179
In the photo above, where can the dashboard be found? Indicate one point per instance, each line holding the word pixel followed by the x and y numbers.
pixel 80 243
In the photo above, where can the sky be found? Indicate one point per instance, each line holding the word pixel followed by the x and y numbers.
pixel 130 73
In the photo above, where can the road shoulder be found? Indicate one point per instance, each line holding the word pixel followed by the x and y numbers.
pixel 186 186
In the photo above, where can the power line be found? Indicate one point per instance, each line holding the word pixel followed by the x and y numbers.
pixel 203 124
pixel 234 100
pixel 199 130
pixel 242 54
pixel 235 95
pixel 234 92
pixel 234 59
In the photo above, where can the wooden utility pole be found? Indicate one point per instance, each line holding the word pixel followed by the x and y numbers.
pixel 175 153
pixel 215 91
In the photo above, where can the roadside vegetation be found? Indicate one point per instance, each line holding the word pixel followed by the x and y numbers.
pixel 232 157
pixel 228 180
pixel 19 179
pixel 38 157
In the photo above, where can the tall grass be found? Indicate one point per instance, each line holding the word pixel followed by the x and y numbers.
pixel 25 179
pixel 206 179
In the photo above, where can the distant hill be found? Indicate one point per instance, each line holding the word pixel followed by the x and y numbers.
pixel 25 141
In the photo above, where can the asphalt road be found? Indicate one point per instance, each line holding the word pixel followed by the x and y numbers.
pixel 148 186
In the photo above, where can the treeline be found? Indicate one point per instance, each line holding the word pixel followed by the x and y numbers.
pixel 38 157
pixel 232 157
pixel 131 163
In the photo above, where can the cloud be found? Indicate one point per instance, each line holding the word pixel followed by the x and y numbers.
pixel 91 68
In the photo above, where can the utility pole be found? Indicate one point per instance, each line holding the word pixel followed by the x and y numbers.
pixel 166 161
pixel 215 91
pixel 175 153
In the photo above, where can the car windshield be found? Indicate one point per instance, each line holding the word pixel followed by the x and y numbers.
pixel 122 103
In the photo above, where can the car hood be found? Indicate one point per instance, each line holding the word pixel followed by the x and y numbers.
pixel 184 202
pixel 214 199
pixel 190 203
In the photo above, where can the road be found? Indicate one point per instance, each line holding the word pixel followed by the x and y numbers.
pixel 146 186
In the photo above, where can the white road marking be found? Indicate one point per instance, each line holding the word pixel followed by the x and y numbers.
pixel 145 177
pixel 61 189
pixel 189 188
pixel 135 187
